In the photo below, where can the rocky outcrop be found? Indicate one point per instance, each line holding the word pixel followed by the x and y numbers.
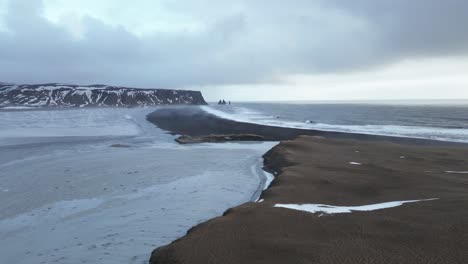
pixel 219 138
pixel 65 95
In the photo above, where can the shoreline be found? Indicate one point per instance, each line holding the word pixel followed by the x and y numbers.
pixel 193 121
pixel 258 232
pixel 266 178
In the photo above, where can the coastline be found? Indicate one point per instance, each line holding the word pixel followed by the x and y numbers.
pixel 335 169
pixel 195 122
pixel 266 178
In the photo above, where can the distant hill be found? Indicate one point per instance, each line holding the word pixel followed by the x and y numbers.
pixel 69 95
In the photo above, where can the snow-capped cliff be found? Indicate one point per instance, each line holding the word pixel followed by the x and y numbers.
pixel 65 95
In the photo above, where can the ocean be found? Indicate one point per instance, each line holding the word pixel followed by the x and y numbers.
pixel 437 120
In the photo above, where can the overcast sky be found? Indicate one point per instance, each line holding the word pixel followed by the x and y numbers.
pixel 243 49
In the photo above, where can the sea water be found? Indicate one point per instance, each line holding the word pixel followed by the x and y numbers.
pixel 438 120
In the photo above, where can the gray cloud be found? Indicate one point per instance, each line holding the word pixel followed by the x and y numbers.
pixel 415 28
pixel 257 41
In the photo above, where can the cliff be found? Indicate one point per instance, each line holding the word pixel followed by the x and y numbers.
pixel 66 95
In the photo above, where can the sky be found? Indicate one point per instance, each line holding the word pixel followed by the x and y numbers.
pixel 243 50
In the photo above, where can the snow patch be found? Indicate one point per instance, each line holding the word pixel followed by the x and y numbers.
pixel 269 179
pixel 17 107
pixel 331 209
pixel 458 172
pixel 52 88
pixel 355 163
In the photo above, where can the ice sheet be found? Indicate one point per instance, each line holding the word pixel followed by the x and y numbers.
pixel 67 123
pixel 82 201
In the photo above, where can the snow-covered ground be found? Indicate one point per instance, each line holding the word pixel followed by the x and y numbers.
pixel 332 209
pixel 68 197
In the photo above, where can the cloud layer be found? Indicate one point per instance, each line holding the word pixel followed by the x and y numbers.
pixel 227 42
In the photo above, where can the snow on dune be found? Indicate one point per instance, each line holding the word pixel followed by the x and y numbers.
pixel 331 209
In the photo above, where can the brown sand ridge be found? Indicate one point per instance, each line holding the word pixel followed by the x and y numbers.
pixel 318 170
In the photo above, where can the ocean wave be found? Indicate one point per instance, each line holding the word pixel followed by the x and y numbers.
pixel 242 114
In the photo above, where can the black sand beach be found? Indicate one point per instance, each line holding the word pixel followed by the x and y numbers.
pixel 318 170
pixel 193 121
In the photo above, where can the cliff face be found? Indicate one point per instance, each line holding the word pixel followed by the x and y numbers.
pixel 65 95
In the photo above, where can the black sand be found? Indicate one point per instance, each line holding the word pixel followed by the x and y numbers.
pixel 193 121
pixel 317 170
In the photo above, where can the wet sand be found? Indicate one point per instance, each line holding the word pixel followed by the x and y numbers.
pixel 342 172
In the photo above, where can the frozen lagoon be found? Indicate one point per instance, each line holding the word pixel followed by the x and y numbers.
pixel 68 197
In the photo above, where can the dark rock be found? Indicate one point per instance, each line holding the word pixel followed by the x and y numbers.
pixel 219 138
